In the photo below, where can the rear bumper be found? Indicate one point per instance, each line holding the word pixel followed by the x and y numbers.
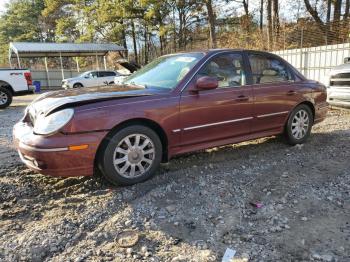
pixel 52 155
pixel 30 90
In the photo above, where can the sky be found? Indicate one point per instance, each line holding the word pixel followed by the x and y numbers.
pixel 2 5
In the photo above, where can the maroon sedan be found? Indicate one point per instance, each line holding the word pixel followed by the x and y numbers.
pixel 176 104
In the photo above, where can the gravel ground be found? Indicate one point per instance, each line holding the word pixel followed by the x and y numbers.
pixel 263 198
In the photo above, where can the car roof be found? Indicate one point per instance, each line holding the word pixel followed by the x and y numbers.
pixel 100 71
pixel 219 50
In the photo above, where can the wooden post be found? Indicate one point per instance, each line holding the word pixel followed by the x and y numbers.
pixel 18 61
pixel 47 73
pixel 105 62
pixel 97 64
pixel 77 62
pixel 10 54
pixel 62 71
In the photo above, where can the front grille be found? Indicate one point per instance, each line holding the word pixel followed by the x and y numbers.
pixel 338 82
pixel 341 75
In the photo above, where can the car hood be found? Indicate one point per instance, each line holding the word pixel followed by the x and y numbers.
pixel 52 101
pixel 71 79
pixel 344 68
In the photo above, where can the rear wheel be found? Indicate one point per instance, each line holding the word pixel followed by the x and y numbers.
pixel 299 125
pixel 131 155
pixel 5 97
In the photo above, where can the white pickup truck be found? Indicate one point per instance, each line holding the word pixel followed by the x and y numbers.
pixel 14 82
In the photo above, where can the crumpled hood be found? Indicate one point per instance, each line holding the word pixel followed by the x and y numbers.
pixel 48 102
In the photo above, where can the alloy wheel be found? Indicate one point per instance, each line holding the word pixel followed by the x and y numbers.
pixel 3 98
pixel 300 124
pixel 134 155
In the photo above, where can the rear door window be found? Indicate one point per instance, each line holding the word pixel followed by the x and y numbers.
pixel 106 73
pixel 267 69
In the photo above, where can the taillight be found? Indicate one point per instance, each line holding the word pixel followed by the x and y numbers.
pixel 28 77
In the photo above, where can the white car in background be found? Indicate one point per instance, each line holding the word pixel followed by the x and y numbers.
pixel 338 91
pixel 90 79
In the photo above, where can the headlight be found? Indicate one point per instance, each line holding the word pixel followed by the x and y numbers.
pixel 47 125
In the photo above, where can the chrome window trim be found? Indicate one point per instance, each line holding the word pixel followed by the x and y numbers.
pixel 217 123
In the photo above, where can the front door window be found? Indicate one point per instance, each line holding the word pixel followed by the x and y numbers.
pixel 227 68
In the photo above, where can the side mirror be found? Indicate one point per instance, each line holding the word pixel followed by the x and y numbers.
pixel 206 83
pixel 87 76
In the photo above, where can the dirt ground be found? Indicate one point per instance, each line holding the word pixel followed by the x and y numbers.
pixel 192 210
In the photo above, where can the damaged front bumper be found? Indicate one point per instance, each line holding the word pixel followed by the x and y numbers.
pixel 57 155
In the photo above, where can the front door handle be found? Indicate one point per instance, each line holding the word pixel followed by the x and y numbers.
pixel 291 93
pixel 242 98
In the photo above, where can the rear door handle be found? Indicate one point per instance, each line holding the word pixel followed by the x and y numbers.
pixel 291 93
pixel 242 98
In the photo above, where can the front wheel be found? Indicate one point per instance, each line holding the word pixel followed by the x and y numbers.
pixel 131 155
pixel 299 125
pixel 77 85
pixel 5 97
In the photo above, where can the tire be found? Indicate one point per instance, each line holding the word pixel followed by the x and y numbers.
pixel 298 131
pixel 77 85
pixel 121 164
pixel 5 97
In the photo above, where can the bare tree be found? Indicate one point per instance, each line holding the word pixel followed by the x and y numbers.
pixel 276 19
pixel 269 22
pixel 211 21
pixel 134 40
pixel 337 11
pixel 261 14
pixel 347 9
pixel 329 9
pixel 315 15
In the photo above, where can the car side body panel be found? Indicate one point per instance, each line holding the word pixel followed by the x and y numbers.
pixel 190 121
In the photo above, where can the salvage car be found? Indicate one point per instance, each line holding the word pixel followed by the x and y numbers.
pixel 339 85
pixel 177 104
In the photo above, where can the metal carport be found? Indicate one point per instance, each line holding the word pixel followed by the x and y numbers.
pixel 20 50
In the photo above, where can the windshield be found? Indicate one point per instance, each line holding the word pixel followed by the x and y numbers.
pixel 165 71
